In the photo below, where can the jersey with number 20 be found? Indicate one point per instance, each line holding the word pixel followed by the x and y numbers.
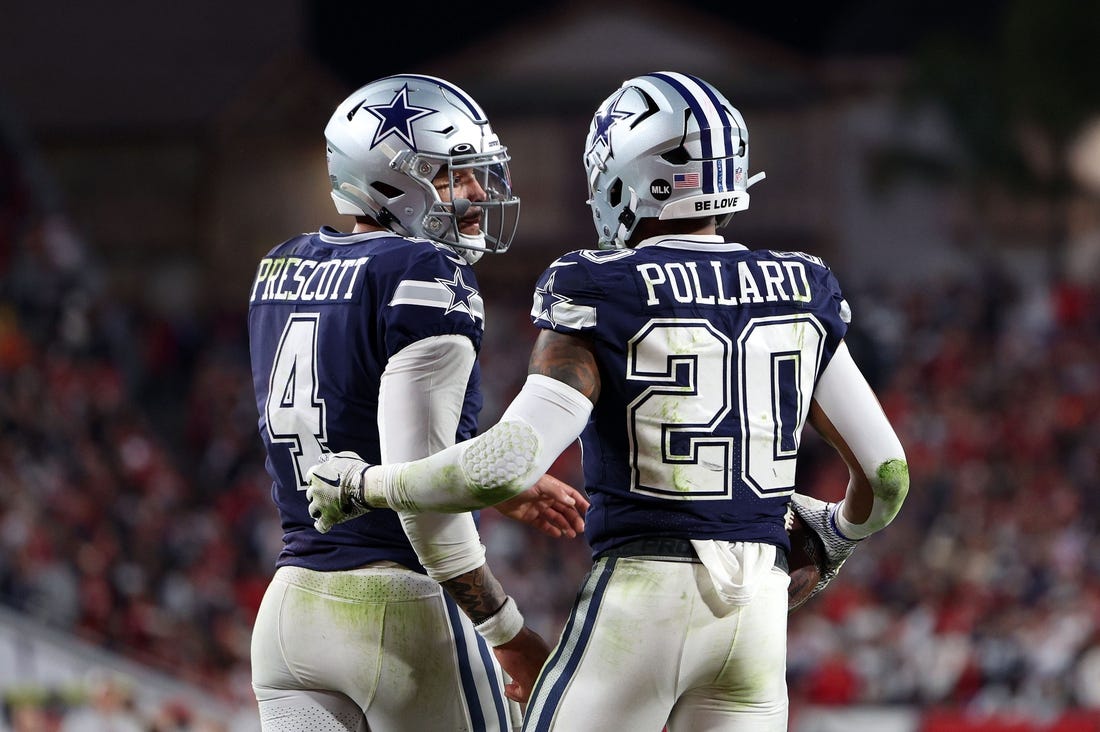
pixel 708 355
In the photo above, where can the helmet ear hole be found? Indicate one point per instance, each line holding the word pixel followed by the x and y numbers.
pixel 386 189
pixel 676 156
pixel 615 192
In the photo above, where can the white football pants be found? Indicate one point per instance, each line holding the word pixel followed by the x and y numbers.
pixel 650 641
pixel 380 649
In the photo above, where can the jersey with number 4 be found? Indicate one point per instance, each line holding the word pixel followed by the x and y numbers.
pixel 708 356
pixel 326 313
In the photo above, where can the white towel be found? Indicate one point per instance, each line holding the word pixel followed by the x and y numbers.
pixel 735 568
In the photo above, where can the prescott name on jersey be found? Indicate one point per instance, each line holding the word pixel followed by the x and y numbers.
pixel 326 313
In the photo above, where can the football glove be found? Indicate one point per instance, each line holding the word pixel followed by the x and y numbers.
pixel 335 491
pixel 820 517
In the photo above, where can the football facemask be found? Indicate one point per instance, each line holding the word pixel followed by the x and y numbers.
pixel 473 207
pixel 388 142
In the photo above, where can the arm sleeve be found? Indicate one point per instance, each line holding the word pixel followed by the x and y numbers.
pixel 419 406
pixel 544 418
pixel 850 404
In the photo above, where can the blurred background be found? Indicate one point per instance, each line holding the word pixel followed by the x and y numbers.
pixel 943 157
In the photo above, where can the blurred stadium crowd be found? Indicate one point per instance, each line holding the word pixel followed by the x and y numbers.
pixel 135 509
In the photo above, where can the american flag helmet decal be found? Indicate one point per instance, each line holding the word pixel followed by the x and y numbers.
pixel 685 180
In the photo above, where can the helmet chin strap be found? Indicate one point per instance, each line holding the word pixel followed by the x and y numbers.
pixel 627 219
pixel 474 249
pixel 474 245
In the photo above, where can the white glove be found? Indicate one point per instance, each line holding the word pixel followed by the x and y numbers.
pixel 335 490
pixel 820 517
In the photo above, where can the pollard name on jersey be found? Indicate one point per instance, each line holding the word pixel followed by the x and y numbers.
pixel 713 352
pixel 713 282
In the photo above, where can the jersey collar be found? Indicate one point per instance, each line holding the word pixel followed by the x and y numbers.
pixel 330 235
pixel 695 242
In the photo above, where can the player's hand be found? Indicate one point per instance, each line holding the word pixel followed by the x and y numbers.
pixel 522 659
pixel 335 491
pixel 550 505
pixel 819 517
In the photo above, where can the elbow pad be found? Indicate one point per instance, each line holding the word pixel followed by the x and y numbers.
pixel 543 419
pixel 890 485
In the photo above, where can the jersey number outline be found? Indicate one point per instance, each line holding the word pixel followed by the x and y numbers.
pixel 691 368
pixel 295 411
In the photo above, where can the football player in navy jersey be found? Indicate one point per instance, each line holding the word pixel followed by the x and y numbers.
pixel 688 366
pixel 367 341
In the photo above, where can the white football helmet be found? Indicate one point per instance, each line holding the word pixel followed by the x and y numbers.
pixel 665 145
pixel 388 140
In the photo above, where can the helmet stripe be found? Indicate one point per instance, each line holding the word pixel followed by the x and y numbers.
pixel 715 124
pixel 725 171
pixel 472 106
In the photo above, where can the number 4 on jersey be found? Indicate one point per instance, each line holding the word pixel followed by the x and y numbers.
pixel 294 411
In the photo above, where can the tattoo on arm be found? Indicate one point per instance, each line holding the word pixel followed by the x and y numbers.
pixel 477 592
pixel 569 359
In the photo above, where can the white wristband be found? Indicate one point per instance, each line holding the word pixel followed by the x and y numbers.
pixel 504 625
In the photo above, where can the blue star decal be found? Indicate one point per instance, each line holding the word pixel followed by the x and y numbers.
pixel 461 294
pixel 546 299
pixel 605 120
pixel 397 118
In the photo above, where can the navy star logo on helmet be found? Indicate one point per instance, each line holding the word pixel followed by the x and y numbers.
pixel 397 118
pixel 604 121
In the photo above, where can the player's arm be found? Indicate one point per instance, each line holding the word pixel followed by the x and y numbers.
pixel 552 506
pixel 520 650
pixel 420 401
pixel 847 414
pixel 419 407
pixel 568 359
pixel 546 416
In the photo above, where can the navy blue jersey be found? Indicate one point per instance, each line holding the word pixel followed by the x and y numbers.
pixel 326 313
pixel 708 356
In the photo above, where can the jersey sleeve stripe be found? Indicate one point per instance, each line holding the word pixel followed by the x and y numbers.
pixel 435 295
pixel 570 315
